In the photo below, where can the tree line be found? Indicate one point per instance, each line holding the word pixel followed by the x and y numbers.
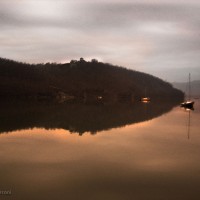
pixel 81 80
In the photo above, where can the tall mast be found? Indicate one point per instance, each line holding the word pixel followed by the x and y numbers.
pixel 189 88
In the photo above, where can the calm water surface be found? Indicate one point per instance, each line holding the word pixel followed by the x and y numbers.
pixel 156 159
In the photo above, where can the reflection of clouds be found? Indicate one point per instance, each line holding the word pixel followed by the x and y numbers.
pixel 147 160
pixel 160 144
pixel 153 37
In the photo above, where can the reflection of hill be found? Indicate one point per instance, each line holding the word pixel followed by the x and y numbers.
pixel 77 117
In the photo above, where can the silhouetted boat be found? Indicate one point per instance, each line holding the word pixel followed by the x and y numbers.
pixel 188 104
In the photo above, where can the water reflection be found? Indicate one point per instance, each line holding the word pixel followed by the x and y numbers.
pixel 152 160
pixel 77 118
pixel 188 112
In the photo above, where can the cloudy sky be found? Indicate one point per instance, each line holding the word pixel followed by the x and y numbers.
pixel 160 37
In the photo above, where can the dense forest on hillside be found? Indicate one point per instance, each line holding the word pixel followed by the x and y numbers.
pixel 79 81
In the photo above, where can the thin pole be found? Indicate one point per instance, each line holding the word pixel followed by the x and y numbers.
pixel 189 87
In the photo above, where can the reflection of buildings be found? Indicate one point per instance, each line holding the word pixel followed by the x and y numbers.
pixel 77 117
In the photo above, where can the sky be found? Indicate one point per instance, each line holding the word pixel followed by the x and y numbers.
pixel 159 37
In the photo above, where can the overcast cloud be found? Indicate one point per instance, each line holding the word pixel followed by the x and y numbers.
pixel 157 37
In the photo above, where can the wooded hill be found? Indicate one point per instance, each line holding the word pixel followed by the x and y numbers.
pixel 79 81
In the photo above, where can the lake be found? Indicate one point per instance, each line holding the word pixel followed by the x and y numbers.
pixel 99 152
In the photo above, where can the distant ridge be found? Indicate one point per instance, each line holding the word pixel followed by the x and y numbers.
pixel 79 81
pixel 183 86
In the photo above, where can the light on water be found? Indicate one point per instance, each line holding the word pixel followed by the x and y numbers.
pixel 151 158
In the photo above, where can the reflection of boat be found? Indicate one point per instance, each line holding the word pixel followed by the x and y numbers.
pixel 145 99
pixel 188 104
pixel 188 124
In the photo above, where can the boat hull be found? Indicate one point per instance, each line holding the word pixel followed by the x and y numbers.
pixel 188 104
